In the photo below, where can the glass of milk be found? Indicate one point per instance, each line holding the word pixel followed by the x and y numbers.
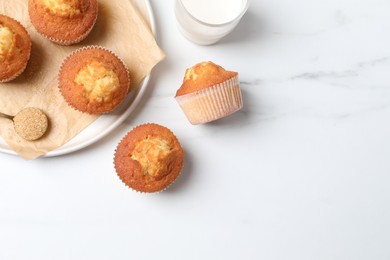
pixel 206 21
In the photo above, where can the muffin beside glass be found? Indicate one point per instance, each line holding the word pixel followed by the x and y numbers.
pixel 209 92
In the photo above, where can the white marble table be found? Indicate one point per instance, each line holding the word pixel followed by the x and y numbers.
pixel 302 172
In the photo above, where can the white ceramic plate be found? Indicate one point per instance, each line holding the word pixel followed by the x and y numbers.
pixel 106 123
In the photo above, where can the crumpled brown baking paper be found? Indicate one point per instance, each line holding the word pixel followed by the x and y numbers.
pixel 120 27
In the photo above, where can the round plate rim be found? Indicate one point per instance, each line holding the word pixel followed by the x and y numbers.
pixel 66 148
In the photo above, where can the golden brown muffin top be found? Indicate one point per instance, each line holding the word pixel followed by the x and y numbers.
pixel 15 47
pixel 203 75
pixel 63 20
pixel 149 158
pixel 93 80
pixel 98 81
pixel 151 153
pixel 64 8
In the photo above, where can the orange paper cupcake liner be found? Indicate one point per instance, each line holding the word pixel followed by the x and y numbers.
pixel 71 42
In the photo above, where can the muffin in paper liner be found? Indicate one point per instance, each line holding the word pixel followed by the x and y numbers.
pixel 149 158
pixel 203 101
pixel 63 22
pixel 94 80
pixel 15 48
pixel 17 74
pixel 73 41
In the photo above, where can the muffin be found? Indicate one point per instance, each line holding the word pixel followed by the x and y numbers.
pixel 208 93
pixel 64 22
pixel 93 80
pixel 149 158
pixel 15 48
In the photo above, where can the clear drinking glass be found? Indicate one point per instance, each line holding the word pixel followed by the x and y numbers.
pixel 202 31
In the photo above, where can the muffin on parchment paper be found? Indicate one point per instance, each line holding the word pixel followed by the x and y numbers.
pixel 15 48
pixel 149 158
pixel 208 93
pixel 94 80
pixel 64 22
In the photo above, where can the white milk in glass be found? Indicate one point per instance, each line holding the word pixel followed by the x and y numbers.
pixel 207 21
pixel 214 11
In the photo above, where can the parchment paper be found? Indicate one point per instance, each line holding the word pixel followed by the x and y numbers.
pixel 119 27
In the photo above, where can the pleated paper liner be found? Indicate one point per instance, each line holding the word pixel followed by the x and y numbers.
pixel 76 38
pixel 22 68
pixel 212 103
pixel 124 165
